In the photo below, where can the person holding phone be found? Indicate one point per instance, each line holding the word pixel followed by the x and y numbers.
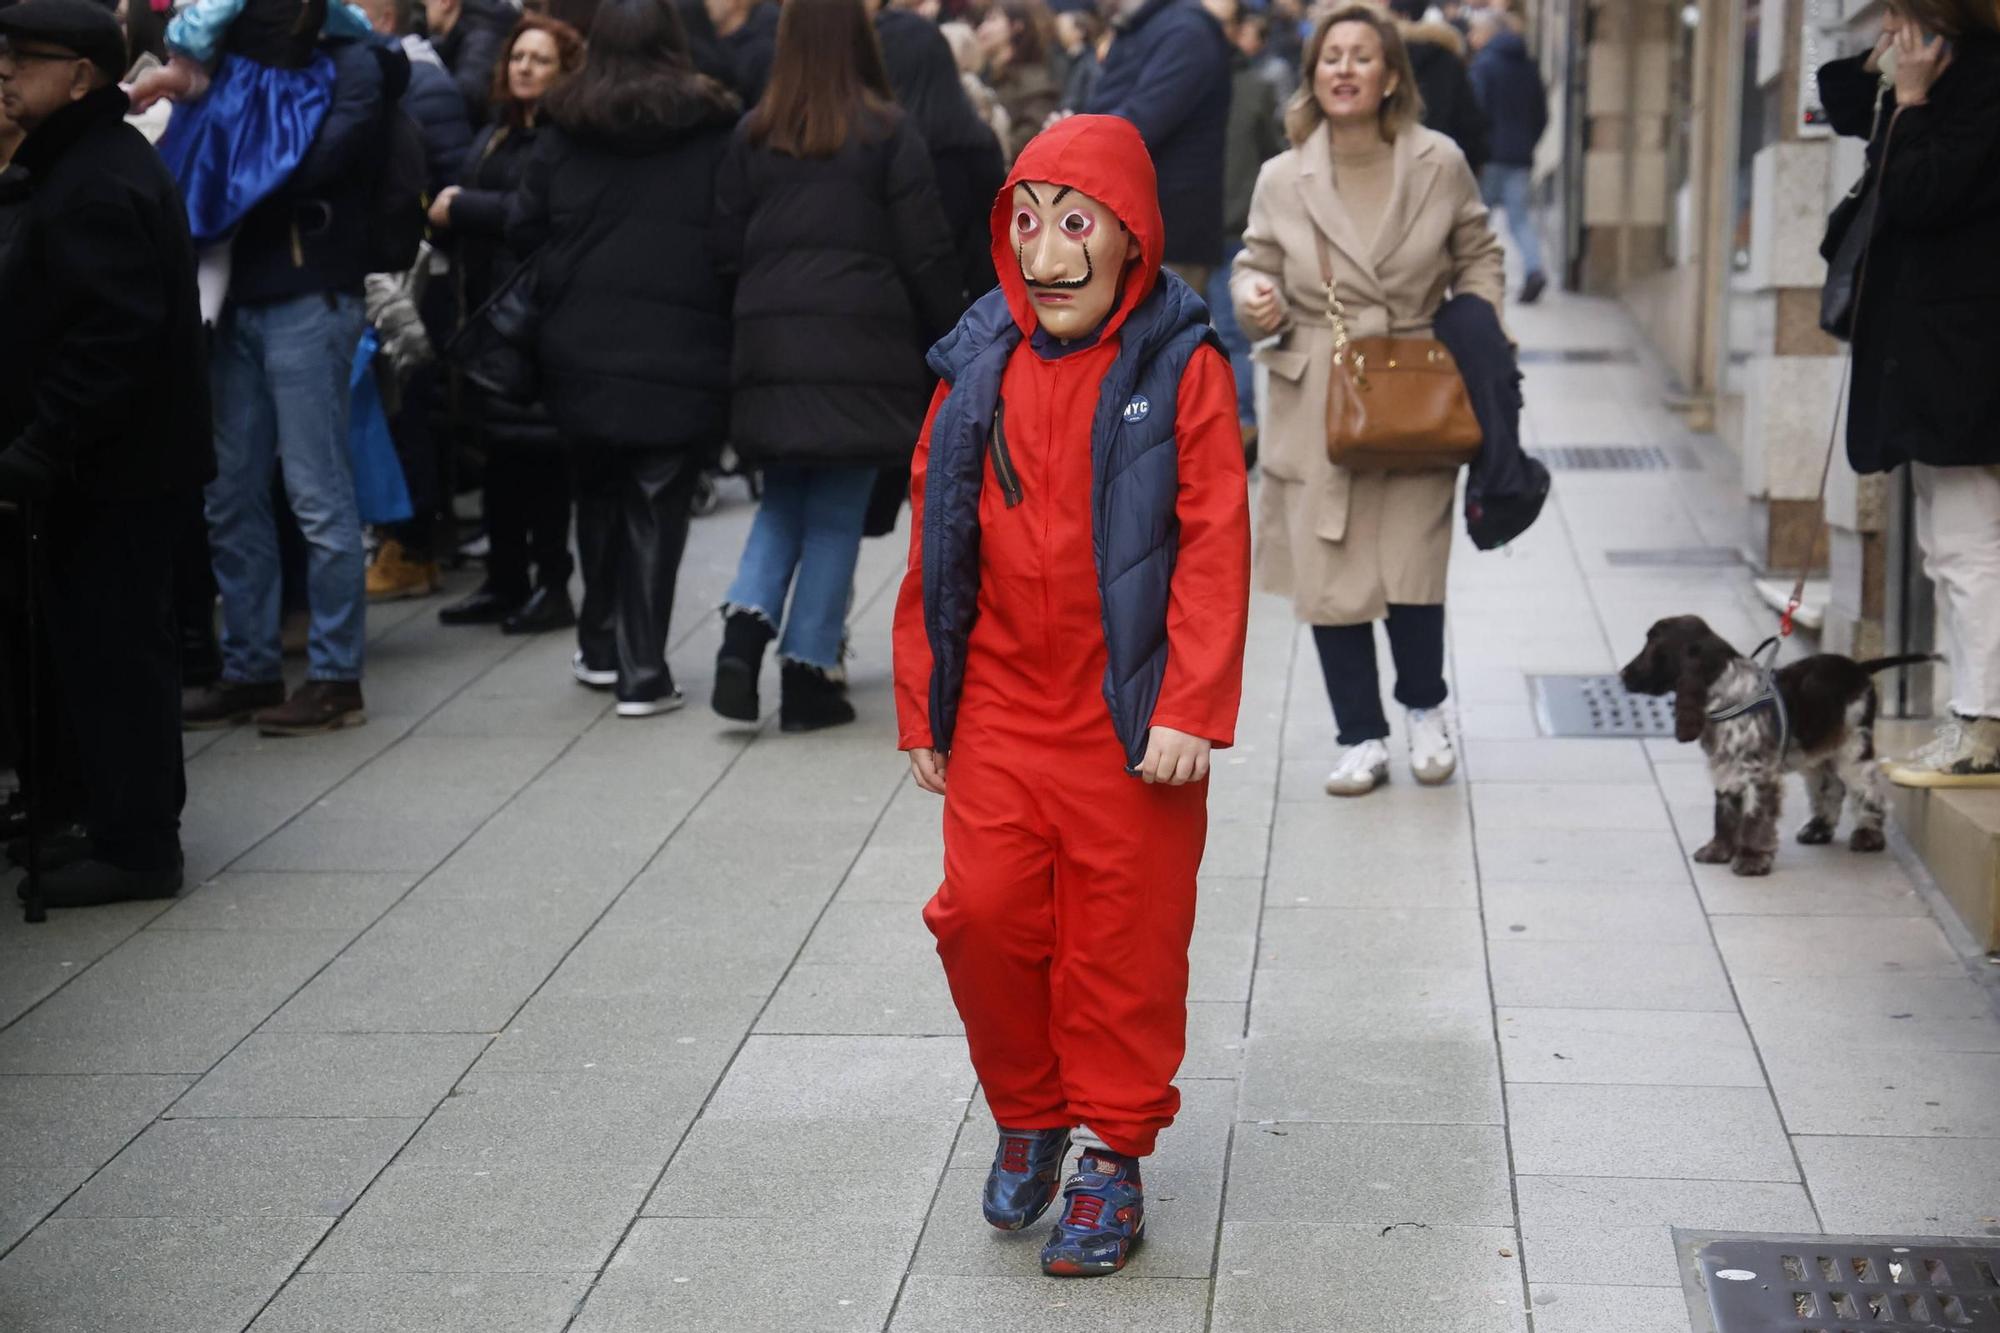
pixel 1926 334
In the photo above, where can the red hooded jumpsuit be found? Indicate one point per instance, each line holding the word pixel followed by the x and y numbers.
pixel 1069 885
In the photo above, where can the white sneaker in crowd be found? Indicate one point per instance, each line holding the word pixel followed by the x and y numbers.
pixel 1964 753
pixel 1361 770
pixel 1432 758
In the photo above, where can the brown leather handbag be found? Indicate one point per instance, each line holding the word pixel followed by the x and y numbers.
pixel 1393 403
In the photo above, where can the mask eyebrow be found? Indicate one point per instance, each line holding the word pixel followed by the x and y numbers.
pixel 1059 194
pixel 1031 193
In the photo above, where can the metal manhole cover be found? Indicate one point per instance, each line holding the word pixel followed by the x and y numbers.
pixel 1676 557
pixel 1835 1284
pixel 1617 458
pixel 1598 706
pixel 1578 356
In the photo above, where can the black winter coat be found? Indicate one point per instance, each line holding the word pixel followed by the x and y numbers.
pixel 1168 73
pixel 481 259
pixel 846 274
pixel 752 49
pixel 472 51
pixel 635 320
pixel 1927 330
pixel 1513 96
pixel 103 363
pixel 1450 105
pixel 433 103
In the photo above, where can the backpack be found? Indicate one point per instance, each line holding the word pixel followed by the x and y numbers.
pixel 396 211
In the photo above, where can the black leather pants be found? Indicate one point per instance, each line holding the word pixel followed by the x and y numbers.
pixel 631 528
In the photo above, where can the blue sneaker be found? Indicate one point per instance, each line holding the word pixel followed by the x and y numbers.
pixel 1022 1183
pixel 1105 1220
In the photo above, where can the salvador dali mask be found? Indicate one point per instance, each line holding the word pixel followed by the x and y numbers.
pixel 1073 252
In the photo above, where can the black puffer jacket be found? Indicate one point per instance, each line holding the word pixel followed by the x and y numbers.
pixel 1927 330
pixel 635 319
pixel 846 274
pixel 472 50
pixel 481 259
pixel 1451 107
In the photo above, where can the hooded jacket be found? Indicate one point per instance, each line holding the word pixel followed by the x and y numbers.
pixel 1172 641
pixel 634 334
pixel 1437 54
pixel 1511 93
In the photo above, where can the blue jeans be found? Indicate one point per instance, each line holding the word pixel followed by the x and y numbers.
pixel 1222 313
pixel 280 375
pixel 1512 189
pixel 809 524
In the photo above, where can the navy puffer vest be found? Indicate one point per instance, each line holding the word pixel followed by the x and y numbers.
pixel 1135 472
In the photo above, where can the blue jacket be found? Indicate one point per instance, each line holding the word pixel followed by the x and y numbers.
pixel 311 236
pixel 1136 478
pixel 1511 92
pixel 432 101
pixel 1168 73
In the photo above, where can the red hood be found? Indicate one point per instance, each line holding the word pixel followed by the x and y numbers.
pixel 1104 157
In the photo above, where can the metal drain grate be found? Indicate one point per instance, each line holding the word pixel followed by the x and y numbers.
pixel 1676 557
pixel 1617 458
pixel 1578 356
pixel 1598 706
pixel 1833 1284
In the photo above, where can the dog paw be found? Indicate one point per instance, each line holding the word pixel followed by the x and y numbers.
pixel 1716 853
pixel 1867 840
pixel 1816 833
pixel 1751 864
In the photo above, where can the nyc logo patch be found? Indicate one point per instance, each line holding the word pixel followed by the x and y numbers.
pixel 1137 409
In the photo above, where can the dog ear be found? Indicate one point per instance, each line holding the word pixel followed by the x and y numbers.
pixel 1691 695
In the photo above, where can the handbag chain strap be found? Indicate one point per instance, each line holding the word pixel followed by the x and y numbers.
pixel 1336 313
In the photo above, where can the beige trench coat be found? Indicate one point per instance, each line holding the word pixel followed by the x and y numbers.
pixel 1343 545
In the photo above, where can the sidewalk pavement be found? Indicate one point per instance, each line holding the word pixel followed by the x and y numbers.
pixel 504 1015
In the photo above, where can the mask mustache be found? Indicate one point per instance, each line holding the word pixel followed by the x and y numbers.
pixel 1073 284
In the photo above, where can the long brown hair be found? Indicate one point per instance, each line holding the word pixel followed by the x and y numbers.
pixel 637 80
pixel 510 110
pixel 1402 107
pixel 818 97
pixel 1952 19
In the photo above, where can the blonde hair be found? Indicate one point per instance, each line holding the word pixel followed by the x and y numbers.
pixel 1402 107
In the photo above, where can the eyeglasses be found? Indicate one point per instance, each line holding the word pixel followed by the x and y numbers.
pixel 12 56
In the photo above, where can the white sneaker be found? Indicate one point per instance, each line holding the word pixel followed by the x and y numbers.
pixel 1964 753
pixel 1361 770
pixel 666 703
pixel 597 680
pixel 1431 757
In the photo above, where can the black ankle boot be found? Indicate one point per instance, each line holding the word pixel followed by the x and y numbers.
pixel 745 635
pixel 811 700
pixel 547 608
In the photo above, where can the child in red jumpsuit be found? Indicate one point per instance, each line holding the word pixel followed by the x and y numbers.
pixel 1069 648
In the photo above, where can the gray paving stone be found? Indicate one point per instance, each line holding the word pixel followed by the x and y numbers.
pixel 594 1117
pixel 1314 1278
pixel 1215 1041
pixel 1182 1209
pixel 735 1275
pixel 1049 1305
pixel 1620 1228
pixel 505 1219
pixel 1196 1143
pixel 51 1121
pixel 1660 913
pixel 1835 947
pixel 333 1074
pixel 424 1303
pixel 1596 804
pixel 851 998
pixel 1312 938
pixel 1397 1082
pixel 1569 855
pixel 1830 893
pixel 248 901
pixel 317 841
pixel 29 1194
pixel 242 1168
pixel 902 875
pixel 1684 1133
pixel 1627 1046
pixel 1608 974
pixel 821 1078
pixel 1439 1175
pixel 692 1033
pixel 191 1275
pixel 1380 1003
pixel 1884 1090
pixel 1555 760
pixel 817 1171
pixel 1568 1308
pixel 1915 1013
pixel 1896 1186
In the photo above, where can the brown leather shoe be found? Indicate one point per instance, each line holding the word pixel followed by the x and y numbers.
pixel 316 707
pixel 227 702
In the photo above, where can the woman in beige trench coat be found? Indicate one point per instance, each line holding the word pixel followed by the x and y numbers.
pixel 1400 212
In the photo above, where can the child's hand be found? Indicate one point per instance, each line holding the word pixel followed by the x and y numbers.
pixel 927 767
pixel 180 78
pixel 1174 758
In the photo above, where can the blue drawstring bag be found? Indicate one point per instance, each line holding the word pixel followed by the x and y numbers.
pixel 380 491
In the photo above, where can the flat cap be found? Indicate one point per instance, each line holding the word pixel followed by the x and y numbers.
pixel 74 25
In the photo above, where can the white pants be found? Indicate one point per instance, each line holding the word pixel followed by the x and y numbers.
pixel 1958 527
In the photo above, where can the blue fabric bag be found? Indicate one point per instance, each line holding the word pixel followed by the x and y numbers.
pixel 232 148
pixel 380 491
